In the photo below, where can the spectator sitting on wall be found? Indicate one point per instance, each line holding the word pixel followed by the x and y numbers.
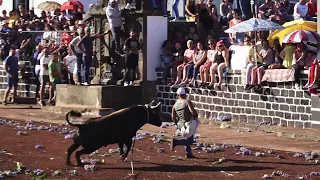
pixel 4 15
pixel 205 68
pixel 176 60
pixel 287 55
pixel 266 54
pixel 193 69
pixel 299 58
pixel 11 67
pixel 165 58
pixel 222 62
pixel 277 49
pixel 268 10
pixel 187 60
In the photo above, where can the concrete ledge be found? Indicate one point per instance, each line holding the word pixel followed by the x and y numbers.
pixel 84 111
pixel 99 96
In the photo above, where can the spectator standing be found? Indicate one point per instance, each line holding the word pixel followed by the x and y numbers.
pixel 236 38
pixel 300 10
pixel 163 6
pixel 312 8
pixel 78 52
pixel 44 74
pixel 115 22
pixel 131 47
pixel 11 67
pixel 225 11
pixel 86 46
pixel 70 61
pixel 55 76
pixel 176 10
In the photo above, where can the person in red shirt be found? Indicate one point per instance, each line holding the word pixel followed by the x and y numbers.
pixel 312 8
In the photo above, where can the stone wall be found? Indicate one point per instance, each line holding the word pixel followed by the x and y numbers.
pixel 278 103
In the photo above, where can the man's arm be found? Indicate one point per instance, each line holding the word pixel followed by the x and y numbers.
pixel 174 116
pixel 80 45
pixel 25 43
pixel 71 46
pixel 192 110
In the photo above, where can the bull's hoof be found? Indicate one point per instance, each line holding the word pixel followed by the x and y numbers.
pixel 124 159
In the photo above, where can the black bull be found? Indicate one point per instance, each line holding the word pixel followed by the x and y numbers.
pixel 119 127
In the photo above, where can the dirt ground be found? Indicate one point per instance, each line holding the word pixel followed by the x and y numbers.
pixel 148 163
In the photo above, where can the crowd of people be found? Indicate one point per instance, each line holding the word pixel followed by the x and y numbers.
pixel 188 54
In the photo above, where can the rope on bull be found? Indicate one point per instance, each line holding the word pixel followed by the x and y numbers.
pixel 132 147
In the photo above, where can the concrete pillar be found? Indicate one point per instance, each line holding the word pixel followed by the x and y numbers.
pixel 318 16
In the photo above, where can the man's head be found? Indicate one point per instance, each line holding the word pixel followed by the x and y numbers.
pixel 81 32
pixel 13 50
pixel 132 33
pixel 5 23
pixel 181 93
pixel 87 31
pixel 112 3
pixel 55 56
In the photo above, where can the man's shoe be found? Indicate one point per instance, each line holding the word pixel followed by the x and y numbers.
pixel 41 103
pixel 4 102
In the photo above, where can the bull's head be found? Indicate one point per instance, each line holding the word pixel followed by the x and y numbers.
pixel 154 114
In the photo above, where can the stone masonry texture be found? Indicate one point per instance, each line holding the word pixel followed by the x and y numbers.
pixel 278 103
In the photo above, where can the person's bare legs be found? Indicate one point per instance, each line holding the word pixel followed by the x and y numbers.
pixel 6 94
pixel 179 74
pixel 206 75
pixel 14 94
pixel 42 88
pixel 202 74
pixel 316 75
pixel 50 92
pixel 221 68
pixel 213 69
pixel 254 75
pixel 260 74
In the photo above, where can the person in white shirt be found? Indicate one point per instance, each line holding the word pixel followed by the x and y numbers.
pixel 44 73
pixel 78 52
pixel 70 61
pixel 300 10
pixel 115 21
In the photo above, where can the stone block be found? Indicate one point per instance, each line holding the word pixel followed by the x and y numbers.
pixel 295 117
pixel 306 125
pixel 289 100
pixel 232 88
pixel 255 97
pixel 287 115
pixel 205 106
pixel 301 109
pixel 226 109
pixel 248 110
pixel 281 100
pixel 242 103
pixel 261 105
pixel 249 103
pixel 268 105
pixel 203 98
pixel 308 109
pixel 240 88
pixel 255 111
pixel 246 96
pixel 267 119
pixel 315 126
pixel 239 95
pixel 291 123
pixel 298 124
pixel 259 119
pixel 315 101
pixel 219 108
pixel 230 102
pixel 299 94
pixel 209 100
pixel 293 108
pixel 284 93
pixel 275 120
pixel 264 98
pixel 297 101
pixel 304 117
pixel 169 109
pixel 307 94
pixel 284 123
pixel 275 106
pixel 279 114
pixel 275 92
pixel 224 102
pixel 235 117
pixel 305 102
pixel 243 118
pixel 284 107
pixel 164 109
pixel 291 93
pixel 212 107
pixel 263 112
pixel 227 95
pixel 251 119
pixel 271 113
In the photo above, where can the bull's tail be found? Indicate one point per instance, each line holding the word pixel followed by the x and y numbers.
pixel 73 113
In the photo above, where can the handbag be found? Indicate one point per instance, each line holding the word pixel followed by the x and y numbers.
pixel 190 128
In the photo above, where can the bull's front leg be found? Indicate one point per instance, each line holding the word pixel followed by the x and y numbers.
pixel 128 143
pixel 121 150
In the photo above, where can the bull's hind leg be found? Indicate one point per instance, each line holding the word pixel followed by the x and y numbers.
pixel 128 143
pixel 83 151
pixel 71 149
pixel 121 151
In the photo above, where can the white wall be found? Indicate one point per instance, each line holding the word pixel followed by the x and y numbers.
pixel 8 4
pixel 156 35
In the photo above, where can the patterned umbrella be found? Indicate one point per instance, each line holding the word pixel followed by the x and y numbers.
pixel 302 36
pixel 254 24
pixel 69 5
pixel 49 6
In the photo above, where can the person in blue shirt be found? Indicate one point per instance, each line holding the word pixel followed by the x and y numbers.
pixel 11 67
pixel 5 27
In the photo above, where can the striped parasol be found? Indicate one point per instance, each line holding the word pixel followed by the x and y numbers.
pixel 49 6
pixel 302 36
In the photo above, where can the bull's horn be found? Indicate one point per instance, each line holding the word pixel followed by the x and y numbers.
pixel 152 102
pixel 153 107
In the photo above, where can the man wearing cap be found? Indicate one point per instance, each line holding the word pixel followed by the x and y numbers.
pixel 11 66
pixel 115 21
pixel 183 111
pixel 5 27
